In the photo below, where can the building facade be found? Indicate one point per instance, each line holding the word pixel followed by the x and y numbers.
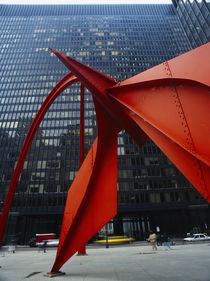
pixel 195 18
pixel 120 41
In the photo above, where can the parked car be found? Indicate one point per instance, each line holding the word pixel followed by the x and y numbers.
pixel 197 237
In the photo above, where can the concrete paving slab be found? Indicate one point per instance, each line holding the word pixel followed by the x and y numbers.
pixel 119 263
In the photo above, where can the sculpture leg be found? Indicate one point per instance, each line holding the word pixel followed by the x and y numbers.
pixel 82 250
pixel 92 197
pixel 57 90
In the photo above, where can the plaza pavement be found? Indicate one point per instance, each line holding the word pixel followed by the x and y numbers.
pixel 122 262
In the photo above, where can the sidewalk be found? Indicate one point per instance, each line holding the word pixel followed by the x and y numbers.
pixel 182 263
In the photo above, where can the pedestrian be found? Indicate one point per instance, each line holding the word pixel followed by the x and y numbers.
pixel 43 246
pixel 159 239
pixel 166 241
pixel 12 246
pixel 2 252
pixel 153 239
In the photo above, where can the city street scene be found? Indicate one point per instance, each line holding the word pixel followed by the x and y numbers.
pixel 123 262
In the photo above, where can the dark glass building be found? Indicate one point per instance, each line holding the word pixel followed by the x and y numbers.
pixel 120 41
pixel 195 18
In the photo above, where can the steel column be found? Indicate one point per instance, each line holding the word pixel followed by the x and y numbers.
pixel 82 250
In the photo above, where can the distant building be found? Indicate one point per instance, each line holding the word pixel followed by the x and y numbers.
pixel 195 18
pixel 120 41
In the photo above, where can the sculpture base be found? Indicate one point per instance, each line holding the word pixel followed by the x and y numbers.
pixel 82 251
pixel 51 274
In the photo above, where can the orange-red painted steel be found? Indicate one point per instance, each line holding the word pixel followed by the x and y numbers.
pixel 81 124
pixel 68 80
pixel 82 250
pixel 169 104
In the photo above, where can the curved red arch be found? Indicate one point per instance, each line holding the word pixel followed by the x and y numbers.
pixel 68 80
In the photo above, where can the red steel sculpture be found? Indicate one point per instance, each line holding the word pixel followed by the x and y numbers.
pixel 169 103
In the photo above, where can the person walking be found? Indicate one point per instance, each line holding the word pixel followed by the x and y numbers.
pixel 159 239
pixel 153 239
pixel 43 247
pixel 166 241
